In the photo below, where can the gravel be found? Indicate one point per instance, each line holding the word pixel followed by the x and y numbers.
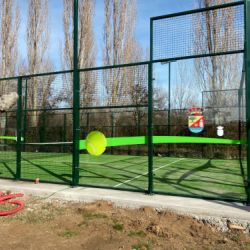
pixel 224 224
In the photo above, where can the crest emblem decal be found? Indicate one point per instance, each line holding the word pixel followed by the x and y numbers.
pixel 195 120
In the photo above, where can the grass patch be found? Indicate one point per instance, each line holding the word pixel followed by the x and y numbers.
pixel 236 237
pixel 93 216
pixel 137 234
pixel 41 213
pixel 7 206
pixel 68 234
pixel 118 227
pixel 141 246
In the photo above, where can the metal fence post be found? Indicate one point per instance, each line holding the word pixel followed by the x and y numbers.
pixel 19 128
pixel 64 130
pixel 247 70
pixel 25 112
pixel 150 114
pixel 112 128
pixel 87 123
pixel 6 124
pixel 76 102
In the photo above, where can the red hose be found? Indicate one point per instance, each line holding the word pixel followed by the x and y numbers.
pixel 7 198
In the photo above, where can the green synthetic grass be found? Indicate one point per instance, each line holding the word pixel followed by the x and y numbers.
pixel 180 176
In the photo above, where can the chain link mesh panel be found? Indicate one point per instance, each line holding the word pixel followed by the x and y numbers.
pixel 206 37
pixel 202 33
pixel 116 86
pixel 116 105
pixel 221 106
pixel 47 128
pixel 8 128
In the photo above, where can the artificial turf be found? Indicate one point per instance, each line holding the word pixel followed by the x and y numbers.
pixel 179 176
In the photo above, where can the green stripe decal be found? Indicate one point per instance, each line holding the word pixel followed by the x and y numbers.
pixel 139 140
pixel 13 138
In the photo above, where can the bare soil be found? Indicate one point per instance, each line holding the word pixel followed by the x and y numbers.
pixel 64 225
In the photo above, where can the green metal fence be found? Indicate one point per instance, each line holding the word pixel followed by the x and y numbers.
pixel 57 110
pixel 208 41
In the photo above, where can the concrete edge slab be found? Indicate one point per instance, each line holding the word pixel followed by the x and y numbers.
pixel 181 205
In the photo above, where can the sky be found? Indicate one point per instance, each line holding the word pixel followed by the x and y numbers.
pixel 145 10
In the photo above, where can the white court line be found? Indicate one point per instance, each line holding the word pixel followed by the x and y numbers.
pixel 101 162
pixel 48 143
pixel 138 176
pixel 92 162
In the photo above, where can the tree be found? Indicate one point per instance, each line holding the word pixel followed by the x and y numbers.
pixel 119 47
pixel 215 32
pixel 218 31
pixel 9 25
pixel 86 52
pixel 119 27
pixel 138 91
pixel 123 85
pixel 39 88
pixel 184 93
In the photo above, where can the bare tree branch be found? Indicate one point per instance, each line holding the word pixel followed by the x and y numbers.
pixel 39 89
pixel 9 25
pixel 87 50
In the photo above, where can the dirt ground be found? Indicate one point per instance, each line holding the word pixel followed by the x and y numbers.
pixel 101 225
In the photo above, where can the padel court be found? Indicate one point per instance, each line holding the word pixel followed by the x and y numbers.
pixel 177 124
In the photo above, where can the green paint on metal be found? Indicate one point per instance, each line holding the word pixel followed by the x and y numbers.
pixel 194 11
pixel 19 129
pixel 76 100
pixel 120 141
pixel 150 115
pixel 140 140
pixel 191 139
pixel 12 138
pixel 247 96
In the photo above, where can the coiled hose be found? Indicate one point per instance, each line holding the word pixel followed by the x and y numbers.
pixel 7 199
